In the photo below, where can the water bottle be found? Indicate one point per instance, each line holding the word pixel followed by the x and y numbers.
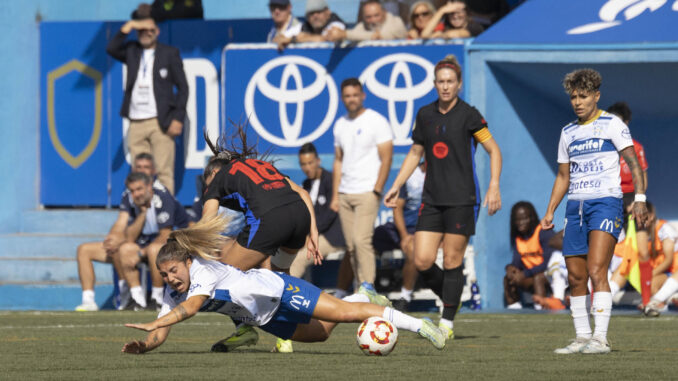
pixel 475 296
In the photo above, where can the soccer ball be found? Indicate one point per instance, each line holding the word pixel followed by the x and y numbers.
pixel 377 336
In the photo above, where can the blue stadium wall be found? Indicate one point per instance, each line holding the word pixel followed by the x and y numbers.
pixel 519 88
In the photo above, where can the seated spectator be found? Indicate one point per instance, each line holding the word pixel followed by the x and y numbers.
pixel 152 214
pixel 107 250
pixel 421 13
pixel 663 253
pixel 318 184
pixel 375 24
pixel 320 23
pixel 285 26
pixel 531 255
pixel 456 21
pixel 399 234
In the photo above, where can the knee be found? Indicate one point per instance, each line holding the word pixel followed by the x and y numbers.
pixel 129 255
pixel 81 253
pixel 452 260
pixel 423 264
pixel 576 279
pixel 598 274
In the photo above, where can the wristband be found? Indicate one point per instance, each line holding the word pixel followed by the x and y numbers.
pixel 639 197
pixel 377 193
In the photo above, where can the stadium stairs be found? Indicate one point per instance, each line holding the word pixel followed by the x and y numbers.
pixel 38 267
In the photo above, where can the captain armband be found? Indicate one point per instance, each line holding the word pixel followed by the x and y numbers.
pixel 482 135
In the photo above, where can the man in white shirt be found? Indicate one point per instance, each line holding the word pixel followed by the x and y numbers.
pixel 363 148
pixel 285 26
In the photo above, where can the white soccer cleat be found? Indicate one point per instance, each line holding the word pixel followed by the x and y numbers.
pixel 654 308
pixel 574 347
pixel 87 307
pixel 596 346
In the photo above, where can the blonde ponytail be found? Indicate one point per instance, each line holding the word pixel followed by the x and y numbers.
pixel 203 239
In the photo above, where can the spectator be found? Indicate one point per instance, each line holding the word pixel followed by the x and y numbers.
pixel 156 114
pixel 531 255
pixel 363 148
pixel 107 251
pixel 399 234
pixel 375 24
pixel 457 23
pixel 320 23
pixel 420 14
pixel 162 10
pixel 285 26
pixel 622 110
pixel 151 216
pixel 318 184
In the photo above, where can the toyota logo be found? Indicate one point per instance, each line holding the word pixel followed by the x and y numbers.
pixel 299 95
pixel 392 93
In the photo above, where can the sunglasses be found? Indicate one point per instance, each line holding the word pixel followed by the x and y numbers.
pixel 421 14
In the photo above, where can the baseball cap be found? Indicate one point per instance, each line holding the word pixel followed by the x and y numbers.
pixel 279 2
pixel 315 5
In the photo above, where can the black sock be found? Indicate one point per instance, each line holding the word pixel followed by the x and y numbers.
pixel 433 278
pixel 453 285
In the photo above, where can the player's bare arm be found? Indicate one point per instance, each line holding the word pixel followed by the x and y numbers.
pixel 313 251
pixel 493 195
pixel 409 164
pixel 639 208
pixel 154 339
pixel 559 190
pixel 183 311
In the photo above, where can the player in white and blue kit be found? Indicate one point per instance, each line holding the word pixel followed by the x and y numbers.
pixel 588 171
pixel 282 305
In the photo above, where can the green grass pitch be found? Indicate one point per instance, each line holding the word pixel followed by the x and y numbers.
pixel 69 345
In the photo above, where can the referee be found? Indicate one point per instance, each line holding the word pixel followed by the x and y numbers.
pixel 447 132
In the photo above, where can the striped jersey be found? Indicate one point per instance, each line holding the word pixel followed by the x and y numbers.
pixel 592 150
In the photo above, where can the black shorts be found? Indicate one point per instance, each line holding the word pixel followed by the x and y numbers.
pixel 286 225
pixel 448 219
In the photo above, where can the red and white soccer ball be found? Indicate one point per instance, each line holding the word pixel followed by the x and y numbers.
pixel 377 336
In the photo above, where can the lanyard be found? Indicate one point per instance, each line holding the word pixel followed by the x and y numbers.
pixel 144 64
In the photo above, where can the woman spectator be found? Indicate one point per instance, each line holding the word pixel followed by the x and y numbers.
pixel 457 23
pixel 421 13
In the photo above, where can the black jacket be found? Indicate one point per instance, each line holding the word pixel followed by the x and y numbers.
pixel 169 105
pixel 326 219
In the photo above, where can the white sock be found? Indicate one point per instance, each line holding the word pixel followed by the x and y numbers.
pixel 87 296
pixel 580 316
pixel 448 323
pixel 406 294
pixel 668 289
pixel 601 310
pixel 614 288
pixel 356 298
pixel 401 320
pixel 538 307
pixel 156 294
pixel 138 295
pixel 558 285
pixel 339 294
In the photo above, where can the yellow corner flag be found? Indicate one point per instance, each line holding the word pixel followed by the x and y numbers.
pixel 631 255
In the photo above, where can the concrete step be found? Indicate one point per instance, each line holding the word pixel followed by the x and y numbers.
pixel 43 245
pixel 68 221
pixel 25 271
pixel 64 297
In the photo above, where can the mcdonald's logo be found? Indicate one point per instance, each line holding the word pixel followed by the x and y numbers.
pixel 74 65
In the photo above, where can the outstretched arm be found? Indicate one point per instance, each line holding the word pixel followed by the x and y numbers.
pixel 154 339
pixel 313 251
pixel 180 313
pixel 409 164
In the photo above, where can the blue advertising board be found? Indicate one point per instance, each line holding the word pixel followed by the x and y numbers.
pixel 287 98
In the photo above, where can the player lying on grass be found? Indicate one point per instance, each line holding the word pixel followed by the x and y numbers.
pixel 280 304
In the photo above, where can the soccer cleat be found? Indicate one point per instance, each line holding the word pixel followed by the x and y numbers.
pixel 596 346
pixel 447 331
pixel 653 309
pixel 368 290
pixel 283 346
pixel 429 331
pixel 401 304
pixel 243 335
pixel 574 347
pixel 87 307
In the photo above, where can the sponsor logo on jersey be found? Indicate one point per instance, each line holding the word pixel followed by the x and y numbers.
pixel 587 167
pixel 584 184
pixel 440 150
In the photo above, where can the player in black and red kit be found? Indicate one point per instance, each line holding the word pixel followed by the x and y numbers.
pixel 447 131
pixel 279 218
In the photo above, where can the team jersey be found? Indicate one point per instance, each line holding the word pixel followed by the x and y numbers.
pixel 252 297
pixel 592 150
pixel 450 141
pixel 165 212
pixel 411 192
pixel 250 186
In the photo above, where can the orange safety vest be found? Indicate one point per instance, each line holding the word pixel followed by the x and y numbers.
pixel 530 250
pixel 659 248
pixel 623 249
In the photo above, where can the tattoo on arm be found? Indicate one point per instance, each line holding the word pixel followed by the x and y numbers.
pixel 182 311
pixel 636 171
